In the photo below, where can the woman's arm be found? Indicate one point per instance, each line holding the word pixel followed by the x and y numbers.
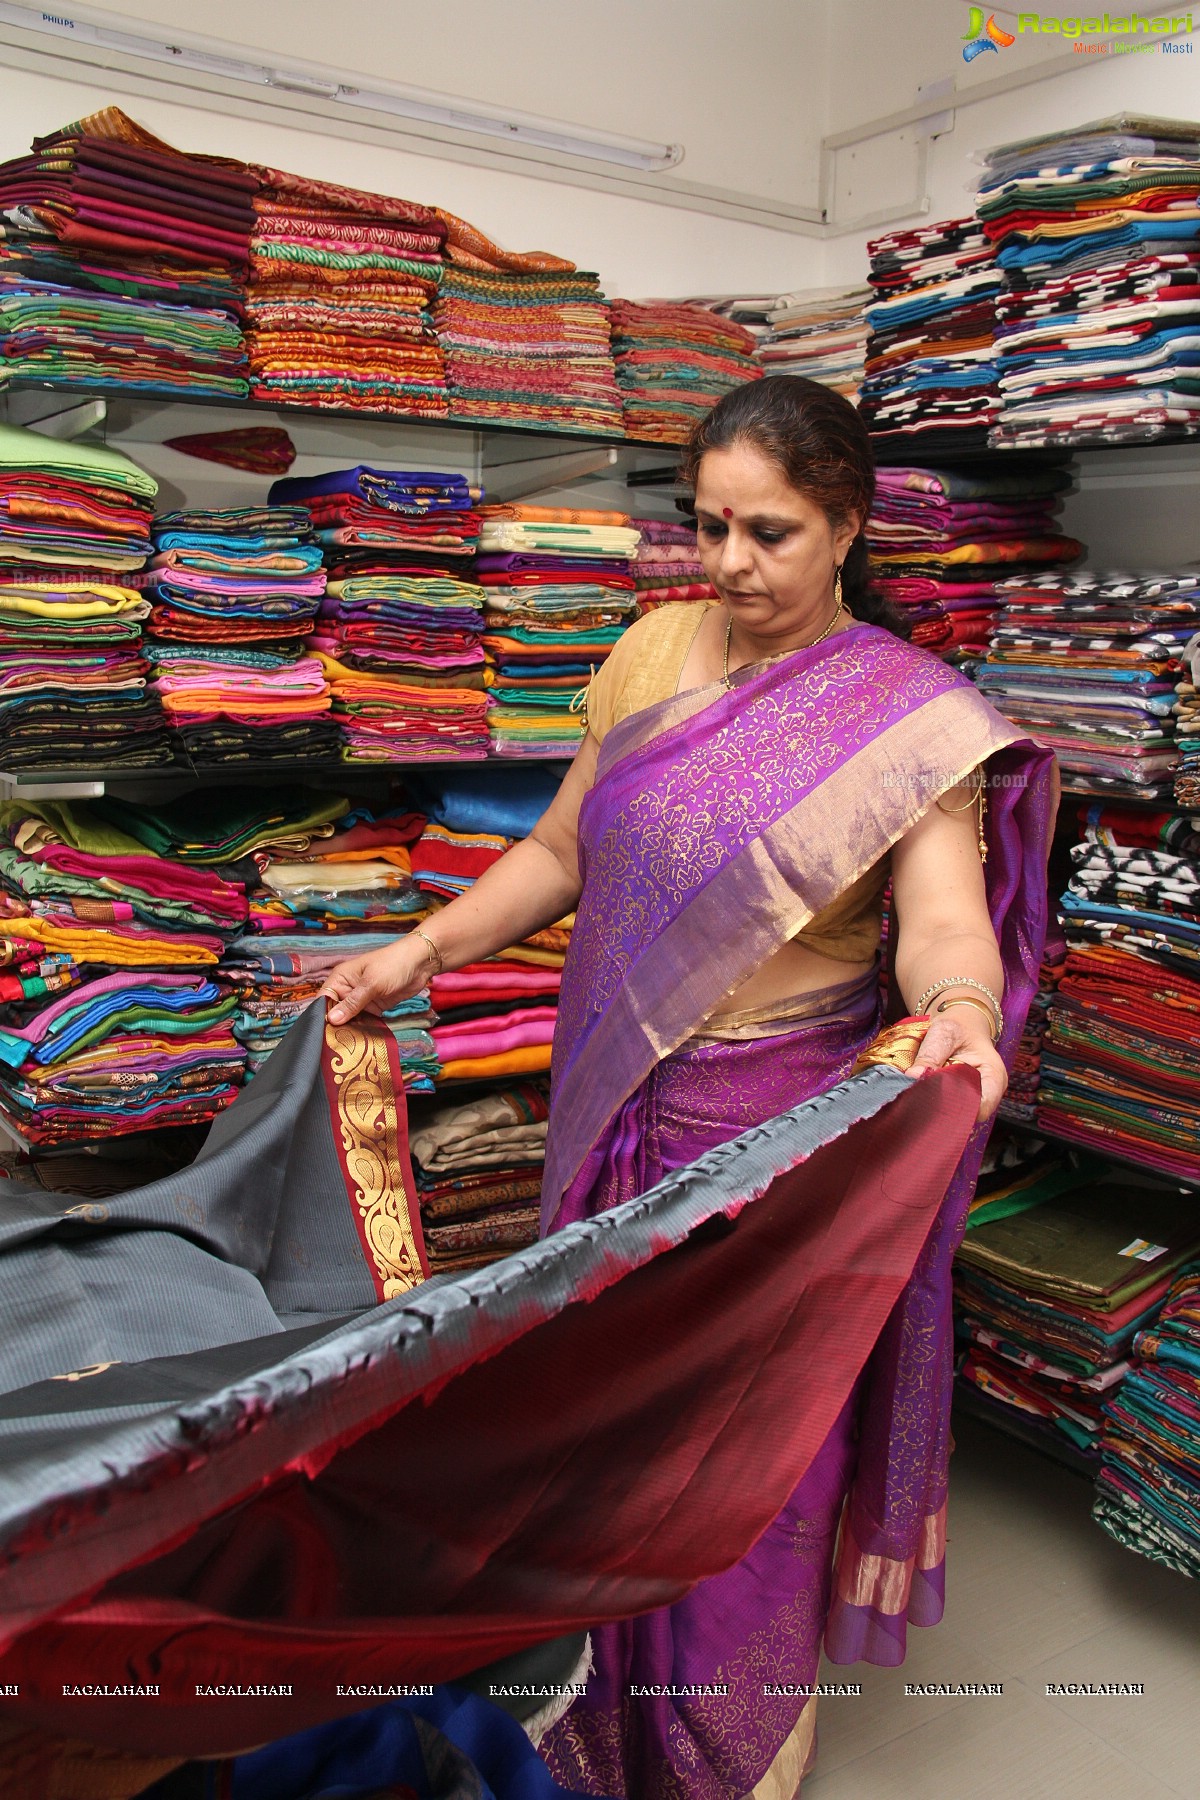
pixel 531 886
pixel 944 931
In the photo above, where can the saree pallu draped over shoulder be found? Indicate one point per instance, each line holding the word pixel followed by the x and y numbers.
pixel 719 824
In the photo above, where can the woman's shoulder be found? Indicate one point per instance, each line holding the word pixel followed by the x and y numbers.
pixel 644 663
pixel 676 622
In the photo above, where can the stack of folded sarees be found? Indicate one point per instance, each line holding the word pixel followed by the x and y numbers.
pixel 559 593
pixel 1148 1485
pixel 276 977
pixel 1057 1272
pixel 941 539
pixel 667 565
pixel 401 626
pixel 1020 1097
pixel 235 598
pixel 820 333
pixel 123 262
pixel 1089 661
pixel 1097 234
pixel 494 1019
pixel 478 1168
pixel 526 337
pixel 1187 728
pixel 313 862
pixel 930 380
pixel 140 1036
pixel 74 532
pixel 326 879
pixel 1120 1067
pixel 674 362
pixel 341 291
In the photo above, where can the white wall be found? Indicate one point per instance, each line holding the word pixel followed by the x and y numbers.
pixel 692 71
pixel 878 69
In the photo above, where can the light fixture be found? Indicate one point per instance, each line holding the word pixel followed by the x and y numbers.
pixel 423 107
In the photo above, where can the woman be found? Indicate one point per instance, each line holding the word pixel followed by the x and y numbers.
pixel 753 773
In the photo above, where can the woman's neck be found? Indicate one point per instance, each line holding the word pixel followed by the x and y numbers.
pixel 746 646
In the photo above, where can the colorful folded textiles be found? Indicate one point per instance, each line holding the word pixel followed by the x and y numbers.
pixel 1097 233
pixel 216 827
pixel 820 333
pixel 1089 661
pixel 1148 1485
pixel 256 569
pixel 496 1019
pixel 478 1172
pixel 124 262
pixel 129 1053
pixel 276 978
pixel 142 1037
pixel 235 705
pixel 941 540
pixel 1187 727
pixel 558 596
pixel 1119 1064
pixel 340 292
pixel 358 878
pixel 52 850
pixel 446 863
pixel 528 346
pixel 1020 1097
pixel 667 565
pixel 86 340
pixel 930 374
pixel 69 502
pixel 74 529
pixel 673 363
pixel 386 719
pixel 1052 1289
pixel 401 623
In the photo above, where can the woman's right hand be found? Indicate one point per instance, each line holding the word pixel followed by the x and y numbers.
pixel 378 980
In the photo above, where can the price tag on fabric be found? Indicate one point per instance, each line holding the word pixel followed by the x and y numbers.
pixel 1143 1250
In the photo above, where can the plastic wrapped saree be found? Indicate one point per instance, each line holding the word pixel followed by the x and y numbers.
pixel 719 824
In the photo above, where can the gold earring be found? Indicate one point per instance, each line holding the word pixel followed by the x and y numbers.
pixel 837 589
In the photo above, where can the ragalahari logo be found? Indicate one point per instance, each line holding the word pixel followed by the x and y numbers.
pixel 979 37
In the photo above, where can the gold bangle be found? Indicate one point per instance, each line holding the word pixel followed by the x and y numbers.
pixel 417 932
pixel 968 1000
pixel 963 981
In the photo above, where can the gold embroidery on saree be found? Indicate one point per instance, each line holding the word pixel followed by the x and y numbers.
pixel 366 1122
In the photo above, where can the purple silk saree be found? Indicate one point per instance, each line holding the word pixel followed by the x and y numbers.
pixel 719 824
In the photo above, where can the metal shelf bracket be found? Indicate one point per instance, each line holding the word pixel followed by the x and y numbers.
pixel 55 415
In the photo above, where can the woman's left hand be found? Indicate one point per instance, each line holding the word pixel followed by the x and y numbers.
pixel 953 1039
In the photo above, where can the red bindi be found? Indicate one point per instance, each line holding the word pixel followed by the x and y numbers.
pixel 727 512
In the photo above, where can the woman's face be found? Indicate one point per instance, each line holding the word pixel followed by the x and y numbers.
pixel 769 551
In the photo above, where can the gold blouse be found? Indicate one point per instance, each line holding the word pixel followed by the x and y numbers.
pixel 643 668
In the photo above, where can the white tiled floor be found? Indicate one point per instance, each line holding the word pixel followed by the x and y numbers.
pixel 1035 1592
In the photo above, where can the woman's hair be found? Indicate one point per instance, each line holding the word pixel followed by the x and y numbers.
pixel 818 440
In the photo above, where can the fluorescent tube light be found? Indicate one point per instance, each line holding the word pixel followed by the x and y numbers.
pixel 437 110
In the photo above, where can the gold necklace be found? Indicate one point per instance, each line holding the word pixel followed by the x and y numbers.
pixel 820 637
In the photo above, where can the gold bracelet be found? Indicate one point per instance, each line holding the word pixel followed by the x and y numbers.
pixel 969 1000
pixel 953 981
pixel 417 932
